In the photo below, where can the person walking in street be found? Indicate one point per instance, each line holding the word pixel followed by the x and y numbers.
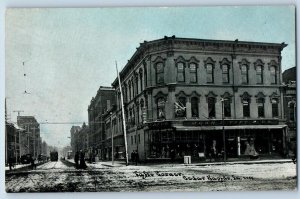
pixel 133 156
pixel 76 159
pixel 82 161
pixel 33 165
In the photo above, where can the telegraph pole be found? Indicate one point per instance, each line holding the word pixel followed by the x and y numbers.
pixel 18 111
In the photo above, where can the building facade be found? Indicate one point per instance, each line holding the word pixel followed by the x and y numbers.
pixel 100 104
pixel 30 140
pixel 184 94
pixel 290 106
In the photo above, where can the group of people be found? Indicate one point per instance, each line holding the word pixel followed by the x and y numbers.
pixel 79 160
pixel 135 157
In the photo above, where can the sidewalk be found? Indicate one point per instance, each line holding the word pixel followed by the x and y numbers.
pixel 271 161
pixel 18 166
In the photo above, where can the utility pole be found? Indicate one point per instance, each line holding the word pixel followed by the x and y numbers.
pixel 112 140
pixel 223 129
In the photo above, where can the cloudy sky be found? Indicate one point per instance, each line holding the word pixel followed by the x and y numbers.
pixel 69 53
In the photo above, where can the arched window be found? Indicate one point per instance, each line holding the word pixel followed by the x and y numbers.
pixel 195 107
pixel 225 73
pixel 141 80
pixel 274 102
pixel 159 73
pixel 245 78
pixel 261 107
pixel 259 75
pixel 133 88
pixel 211 102
pixel 292 111
pixel 129 90
pixel 209 65
pixel 180 106
pixel 142 109
pixel 180 72
pixel 161 108
pixel 193 73
pixel 273 75
pixel 210 73
pixel 246 100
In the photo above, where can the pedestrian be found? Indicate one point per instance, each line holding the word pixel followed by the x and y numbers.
pixel 82 161
pixel 133 156
pixel 33 165
pixel 76 159
pixel 10 163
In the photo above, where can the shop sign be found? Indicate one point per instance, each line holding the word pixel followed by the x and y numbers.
pixel 230 122
pixel 159 125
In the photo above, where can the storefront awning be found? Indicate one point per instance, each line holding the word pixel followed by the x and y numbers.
pixel 211 128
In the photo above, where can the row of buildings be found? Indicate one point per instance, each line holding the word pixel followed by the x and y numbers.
pixel 24 138
pixel 191 95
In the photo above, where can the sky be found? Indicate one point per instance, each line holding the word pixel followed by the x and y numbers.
pixel 69 53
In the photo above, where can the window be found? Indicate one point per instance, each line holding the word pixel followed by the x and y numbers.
pixel 259 75
pixel 139 138
pixel 142 107
pixel 180 106
pixel 261 107
pixel 246 107
pixel 141 80
pixel 131 139
pixel 134 139
pixel 193 73
pixel 138 114
pixel 145 78
pixel 180 72
pixel 159 73
pixel 273 75
pixel 129 90
pixel 195 109
pixel 210 73
pixel 161 108
pixel 133 89
pixel 211 107
pixel 292 108
pixel 275 107
pixel 227 107
pixel 244 69
pixel 225 73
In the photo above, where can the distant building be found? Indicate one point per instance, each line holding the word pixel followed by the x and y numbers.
pixel 30 138
pixel 103 101
pixel 73 130
pixel 290 105
pixel 12 142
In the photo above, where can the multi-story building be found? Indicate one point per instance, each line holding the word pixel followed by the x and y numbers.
pixel 290 106
pixel 12 142
pixel 194 91
pixel 80 138
pixel 103 101
pixel 30 138
pixel 73 130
